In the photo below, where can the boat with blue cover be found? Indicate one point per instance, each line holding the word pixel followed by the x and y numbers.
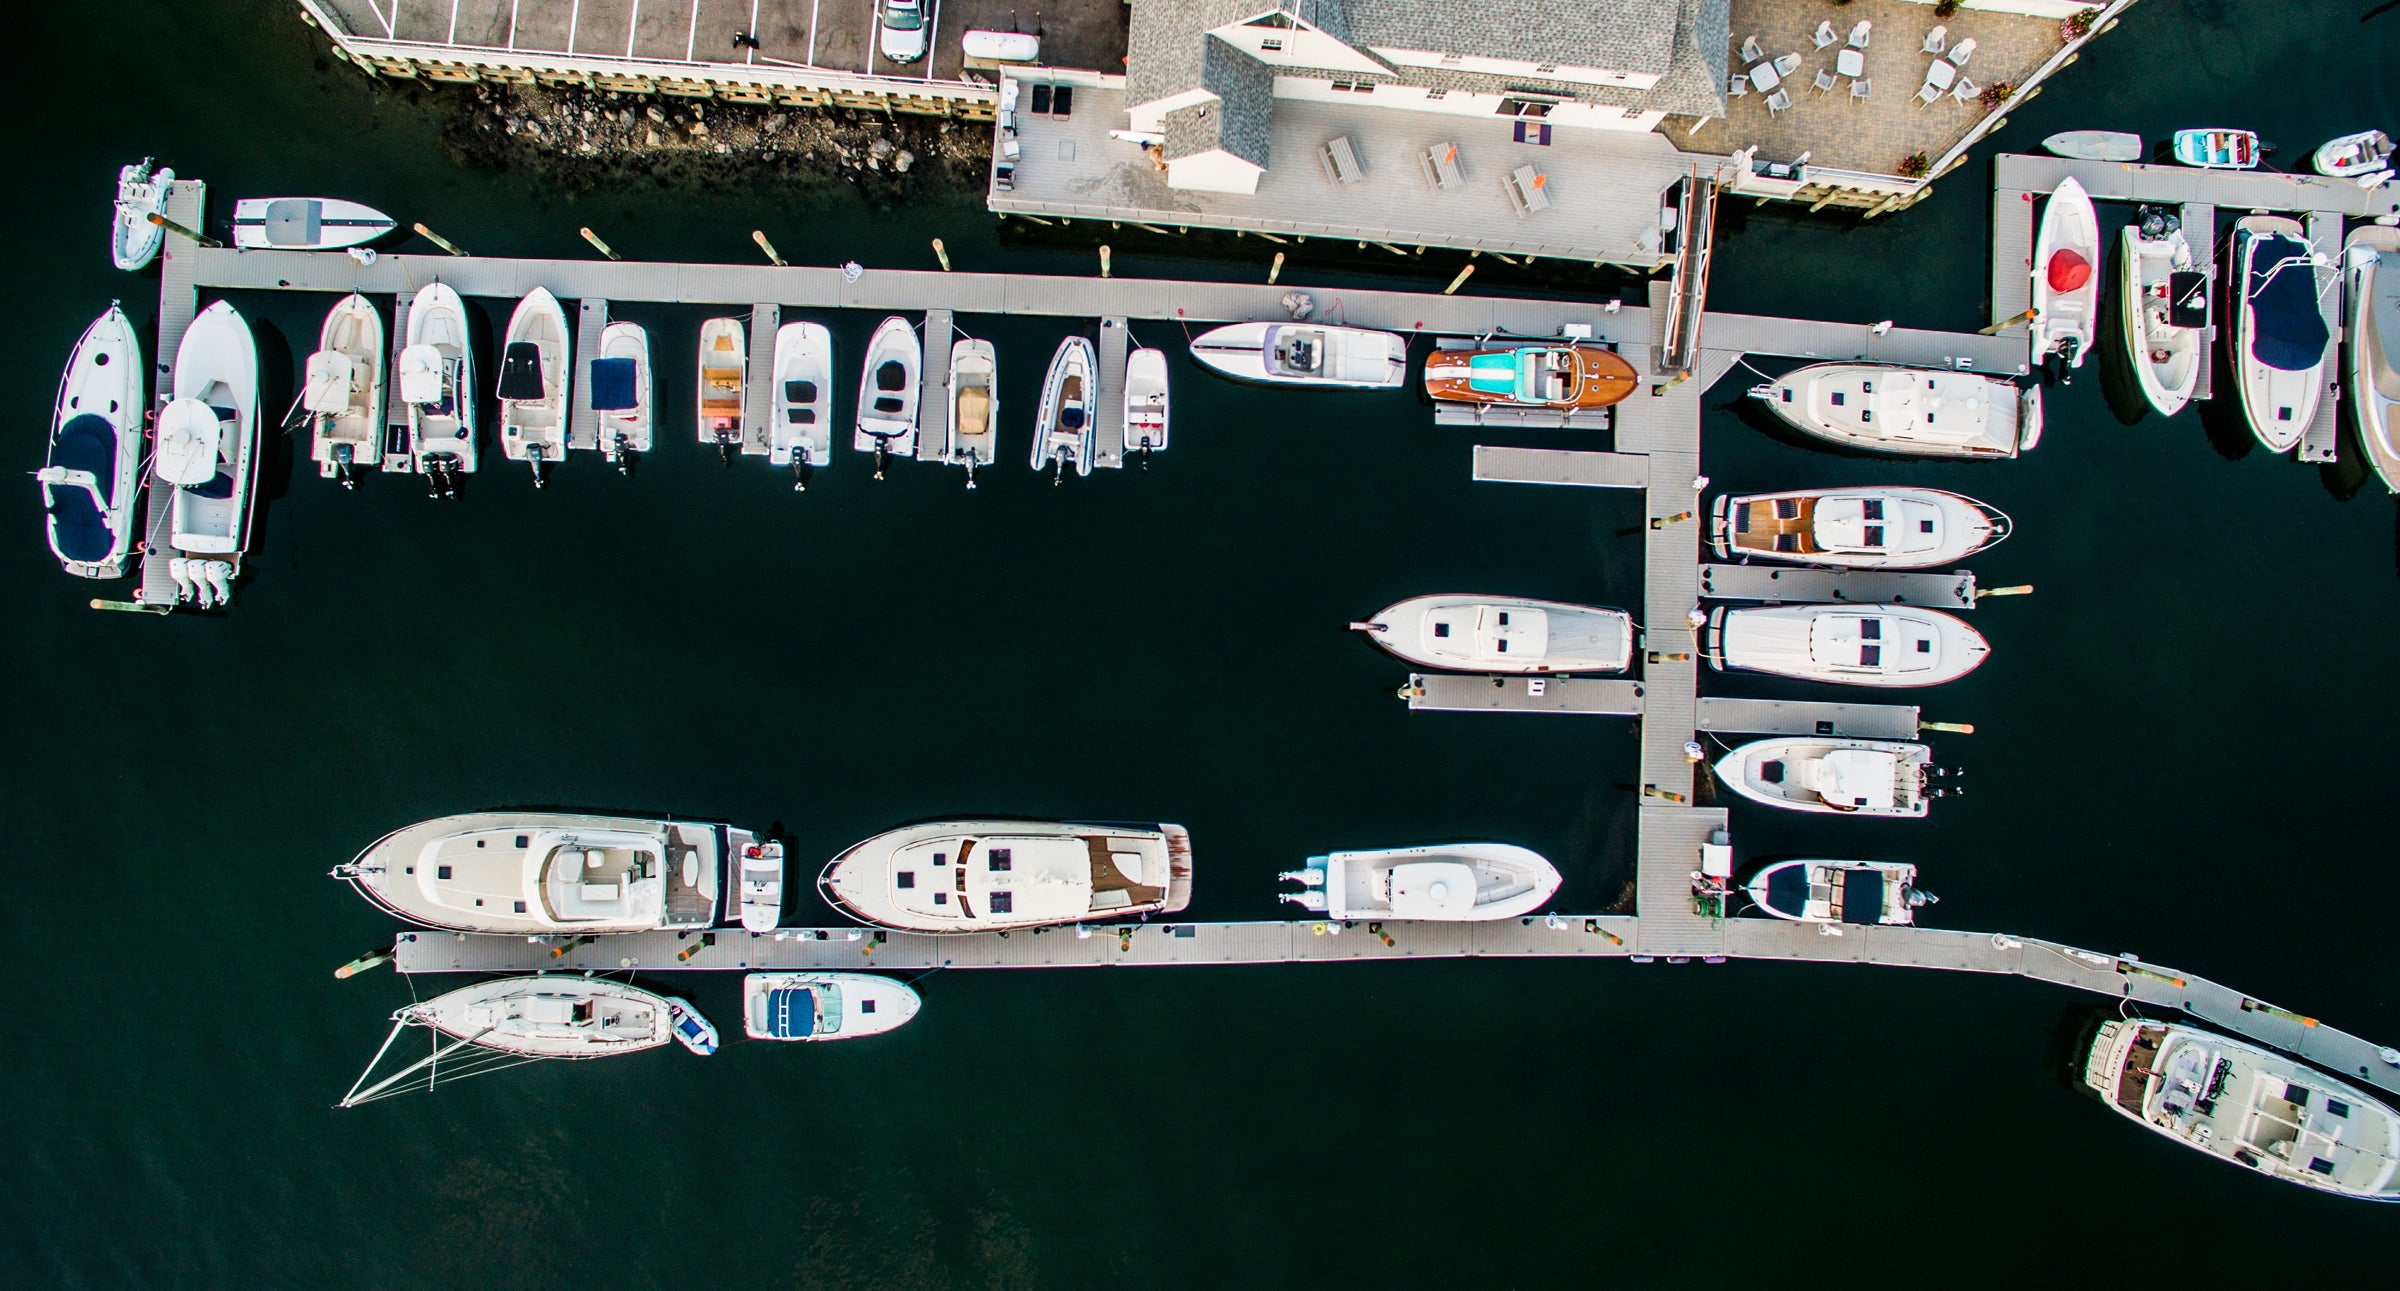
pixel 823 1006
pixel 2279 341
pixel 1819 891
pixel 93 474
pixel 620 393
pixel 1529 374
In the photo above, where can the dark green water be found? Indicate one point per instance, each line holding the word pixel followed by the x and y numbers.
pixel 2178 756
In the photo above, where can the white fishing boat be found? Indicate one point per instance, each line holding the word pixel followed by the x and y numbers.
pixel 802 437
pixel 999 875
pixel 2371 257
pixel 621 394
pixel 2096 145
pixel 974 405
pixel 1465 633
pixel 1848 645
pixel 2278 342
pixel 1865 892
pixel 2238 1102
pixel 2165 304
pixel 92 476
pixel 208 451
pixel 343 391
pixel 1306 354
pixel 1062 427
pixel 724 373
pixel 1920 412
pixel 823 1006
pixel 2066 277
pixel 2218 149
pixel 762 885
pixel 1453 883
pixel 141 193
pixel 1844 777
pixel 1146 401
pixel 1877 526
pixel 2355 156
pixel 538 873
pixel 437 382
pixel 533 382
pixel 499 1023
pixel 888 389
pixel 305 224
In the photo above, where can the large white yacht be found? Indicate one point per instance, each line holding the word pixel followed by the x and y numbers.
pixel 823 1006
pixel 1813 891
pixel 1877 526
pixel 537 873
pixel 1918 411
pixel 1305 354
pixel 1457 882
pixel 998 875
pixel 1463 633
pixel 2258 1109
pixel 1851 645
pixel 1844 777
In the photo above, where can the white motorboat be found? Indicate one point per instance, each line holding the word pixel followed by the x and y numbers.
pixel 1464 633
pixel 823 1006
pixel 533 382
pixel 305 224
pixel 2238 1102
pixel 724 372
pixel 1306 354
pixel 1458 882
pixel 998 875
pixel 2279 341
pixel 141 193
pixel 1920 412
pixel 538 873
pixel 2355 156
pixel 974 405
pixel 888 390
pixel 2165 304
pixel 92 476
pixel 802 436
pixel 1146 402
pixel 2096 145
pixel 1811 891
pixel 437 382
pixel 1062 427
pixel 2218 149
pixel 2371 257
pixel 1877 526
pixel 2066 277
pixel 343 391
pixel 494 1024
pixel 1849 645
pixel 208 450
pixel 762 885
pixel 621 394
pixel 1845 777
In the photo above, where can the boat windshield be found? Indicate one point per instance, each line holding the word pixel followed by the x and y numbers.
pixel 903 16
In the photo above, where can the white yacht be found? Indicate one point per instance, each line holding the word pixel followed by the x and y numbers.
pixel 1917 411
pixel 2279 341
pixel 2372 259
pixel 802 437
pixel 141 193
pixel 494 1024
pixel 1146 401
pixel 974 405
pixel 888 390
pixel 1461 633
pixel 2066 277
pixel 305 224
pixel 1306 354
pixel 1811 891
pixel 724 372
pixel 823 1006
pixel 539 873
pixel 2238 1102
pixel 2165 304
pixel 762 886
pixel 999 875
pixel 620 394
pixel 533 382
pixel 1846 777
pixel 1458 882
pixel 1062 426
pixel 343 391
pixel 1876 526
pixel 1849 645
pixel 208 450
pixel 437 382
pixel 92 477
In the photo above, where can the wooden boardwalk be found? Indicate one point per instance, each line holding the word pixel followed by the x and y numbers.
pixel 1793 585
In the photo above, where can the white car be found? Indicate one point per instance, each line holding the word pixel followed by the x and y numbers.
pixel 903 38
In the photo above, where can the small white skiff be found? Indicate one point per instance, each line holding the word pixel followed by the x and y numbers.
pixel 343 391
pixel 762 885
pixel 141 193
pixel 1062 426
pixel 974 405
pixel 2066 277
pixel 533 382
pixel 802 437
pixel 620 394
pixel 724 372
pixel 2279 342
pixel 437 382
pixel 2165 310
pixel 889 388
pixel 1454 883
pixel 2096 145
pixel 1146 401
pixel 305 223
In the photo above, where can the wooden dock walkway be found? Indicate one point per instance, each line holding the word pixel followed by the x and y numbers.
pixel 1793 585
pixel 178 304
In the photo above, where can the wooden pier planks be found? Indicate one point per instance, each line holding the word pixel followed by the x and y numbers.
pixel 933 400
pixel 2318 443
pixel 1108 412
pixel 1437 692
pixel 179 285
pixel 1792 585
pixel 583 424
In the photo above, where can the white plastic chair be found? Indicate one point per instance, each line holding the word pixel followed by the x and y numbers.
pixel 1962 51
pixel 1858 34
pixel 1859 90
pixel 1751 53
pixel 1779 101
pixel 1937 40
pixel 1825 35
pixel 1737 87
pixel 1927 93
pixel 1825 80
pixel 1966 91
pixel 1787 64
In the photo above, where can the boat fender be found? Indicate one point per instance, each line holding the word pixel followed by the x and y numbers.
pixel 1693 751
pixel 1696 617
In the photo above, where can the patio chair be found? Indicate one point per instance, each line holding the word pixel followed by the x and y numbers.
pixel 1751 53
pixel 1927 93
pixel 1787 64
pixel 1779 101
pixel 1824 35
pixel 1737 87
pixel 1825 80
pixel 1858 34
pixel 1859 89
pixel 1966 91
pixel 1962 51
pixel 1937 40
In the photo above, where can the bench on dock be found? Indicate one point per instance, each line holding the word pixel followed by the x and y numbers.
pixel 1439 164
pixel 1341 161
pixel 1528 190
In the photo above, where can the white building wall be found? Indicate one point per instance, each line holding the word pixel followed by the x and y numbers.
pixel 1214 172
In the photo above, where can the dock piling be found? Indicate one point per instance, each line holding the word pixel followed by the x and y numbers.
pixel 438 240
pixel 2021 589
pixel 1275 270
pixel 371 959
pixel 172 227
pixel 2006 323
pixel 1104 269
pixel 599 245
pixel 1953 728
pixel 1465 272
pixel 941 253
pixel 760 237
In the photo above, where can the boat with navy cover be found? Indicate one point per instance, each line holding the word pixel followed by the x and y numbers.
pixel 724 373
pixel 999 875
pixel 1305 354
pixel 533 382
pixel 491 1025
pixel 620 394
pixel 1876 526
pixel 1062 425
pixel 1848 645
pixel 437 382
pixel 543 872
pixel 1459 632
pixel 888 390
pixel 2361 156
pixel 1921 412
pixel 1146 402
pixel 802 436
pixel 134 240
pixel 2164 299
pixel 1816 891
pixel 2096 145
pixel 2217 149
pixel 208 452
pixel 305 224
pixel 2279 342
pixel 823 1006
pixel 2371 257
pixel 1567 376
pixel 2264 1111
pixel 2066 277
pixel 1840 776
pixel 92 475
pixel 343 391
pixel 974 396
pixel 1456 882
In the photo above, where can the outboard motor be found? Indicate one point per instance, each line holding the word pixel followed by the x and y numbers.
pixel 799 472
pixel 882 450
pixel 970 468
pixel 1919 898
pixel 180 569
pixel 220 581
pixel 623 458
pixel 533 452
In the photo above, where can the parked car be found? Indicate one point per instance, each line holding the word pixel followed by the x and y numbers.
pixel 903 38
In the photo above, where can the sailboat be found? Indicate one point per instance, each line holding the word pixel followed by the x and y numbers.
pixel 92 476
pixel 620 394
pixel 343 391
pixel 491 1025
pixel 802 436
pixel 974 404
pixel 724 371
pixel 2066 277
pixel 141 193
pixel 1146 402
pixel 533 382
pixel 208 452
pixel 437 382
pixel 2372 254
pixel 2279 340
pixel 1062 426
pixel 2165 304
pixel 888 389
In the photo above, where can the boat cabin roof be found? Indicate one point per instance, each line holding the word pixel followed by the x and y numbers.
pixel 1877 643
pixel 1488 633
pixel 1432 889
pixel 588 877
pixel 1863 523
pixel 1853 778
pixel 1022 878
pixel 1916 407
pixel 2251 1111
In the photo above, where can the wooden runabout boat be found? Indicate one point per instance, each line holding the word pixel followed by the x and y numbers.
pixel 1534 374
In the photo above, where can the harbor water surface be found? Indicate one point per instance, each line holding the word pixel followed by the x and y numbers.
pixel 2181 751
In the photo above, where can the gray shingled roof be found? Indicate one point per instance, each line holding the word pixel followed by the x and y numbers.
pixel 1164 45
pixel 1242 119
pixel 1635 35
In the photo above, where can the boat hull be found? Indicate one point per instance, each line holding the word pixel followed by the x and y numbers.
pixel 1310 355
pixel 441 426
pixel 1454 883
pixel 836 1006
pixel 2373 254
pixel 550 1017
pixel 2166 358
pixel 1543 375
pixel 353 435
pixel 2217 149
pixel 1887 646
pixel 626 430
pixel 133 240
pixel 305 224
pixel 1063 429
pixel 508 872
pixel 2066 277
pixel 217 364
pixel 1793 773
pixel 2354 156
pixel 1796 528
pixel 2096 145
pixel 974 396
pixel 1991 417
pixel 90 480
pixel 889 389
pixel 803 397
pixel 2279 401
pixel 1503 635
pixel 1054 873
pixel 534 429
pixel 724 376
pixel 1819 891
pixel 1146 401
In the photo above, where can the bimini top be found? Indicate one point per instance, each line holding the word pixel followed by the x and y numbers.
pixel 2288 333
pixel 1862 893
pixel 613 384
pixel 78 485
